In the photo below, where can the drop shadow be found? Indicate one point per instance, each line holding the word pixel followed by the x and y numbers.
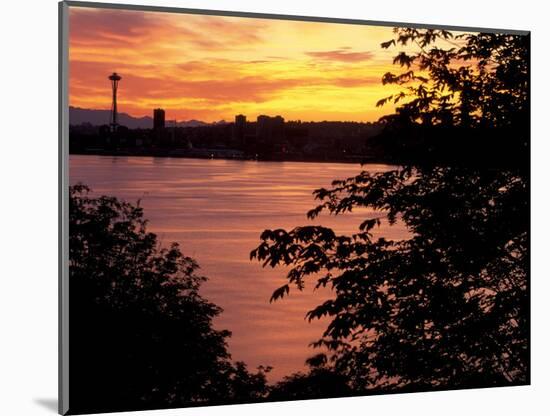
pixel 49 404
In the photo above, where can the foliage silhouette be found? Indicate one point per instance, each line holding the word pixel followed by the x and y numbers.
pixel 480 80
pixel 141 334
pixel 464 99
pixel 321 381
pixel 448 306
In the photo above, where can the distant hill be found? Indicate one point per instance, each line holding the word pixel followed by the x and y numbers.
pixel 99 117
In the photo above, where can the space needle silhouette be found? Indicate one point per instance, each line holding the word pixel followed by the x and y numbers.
pixel 114 78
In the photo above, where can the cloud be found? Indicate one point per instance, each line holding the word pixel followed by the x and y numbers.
pixel 110 27
pixel 127 28
pixel 341 55
pixel 229 32
pixel 213 81
pixel 355 82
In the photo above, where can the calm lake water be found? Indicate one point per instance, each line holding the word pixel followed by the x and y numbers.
pixel 216 210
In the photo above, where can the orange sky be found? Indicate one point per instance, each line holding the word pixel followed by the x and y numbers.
pixel 211 68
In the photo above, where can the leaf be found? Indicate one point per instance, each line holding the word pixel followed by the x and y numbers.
pixel 383 101
pixel 279 293
pixel 369 224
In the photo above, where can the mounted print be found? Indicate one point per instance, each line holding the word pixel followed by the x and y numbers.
pixel 262 208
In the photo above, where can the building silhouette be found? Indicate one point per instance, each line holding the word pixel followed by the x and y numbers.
pixel 239 130
pixel 270 129
pixel 158 119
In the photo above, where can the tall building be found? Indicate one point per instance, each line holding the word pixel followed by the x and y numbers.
pixel 270 129
pixel 239 129
pixel 158 119
pixel 240 120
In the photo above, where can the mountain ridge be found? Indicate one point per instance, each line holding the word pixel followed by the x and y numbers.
pixel 78 116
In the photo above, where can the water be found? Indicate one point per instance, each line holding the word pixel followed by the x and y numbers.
pixel 216 210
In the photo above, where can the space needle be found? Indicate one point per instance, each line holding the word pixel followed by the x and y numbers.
pixel 114 78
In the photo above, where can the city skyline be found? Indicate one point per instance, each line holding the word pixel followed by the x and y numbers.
pixel 210 68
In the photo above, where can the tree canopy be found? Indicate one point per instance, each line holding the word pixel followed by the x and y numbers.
pixel 464 100
pixel 447 306
pixel 469 79
pixel 141 334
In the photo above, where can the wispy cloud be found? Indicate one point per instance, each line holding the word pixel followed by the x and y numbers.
pixel 341 55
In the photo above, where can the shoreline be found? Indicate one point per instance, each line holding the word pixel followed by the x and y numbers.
pixel 164 154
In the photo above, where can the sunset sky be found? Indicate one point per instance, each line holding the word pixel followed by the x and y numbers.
pixel 211 68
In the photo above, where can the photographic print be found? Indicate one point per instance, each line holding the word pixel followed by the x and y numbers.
pixel 270 208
